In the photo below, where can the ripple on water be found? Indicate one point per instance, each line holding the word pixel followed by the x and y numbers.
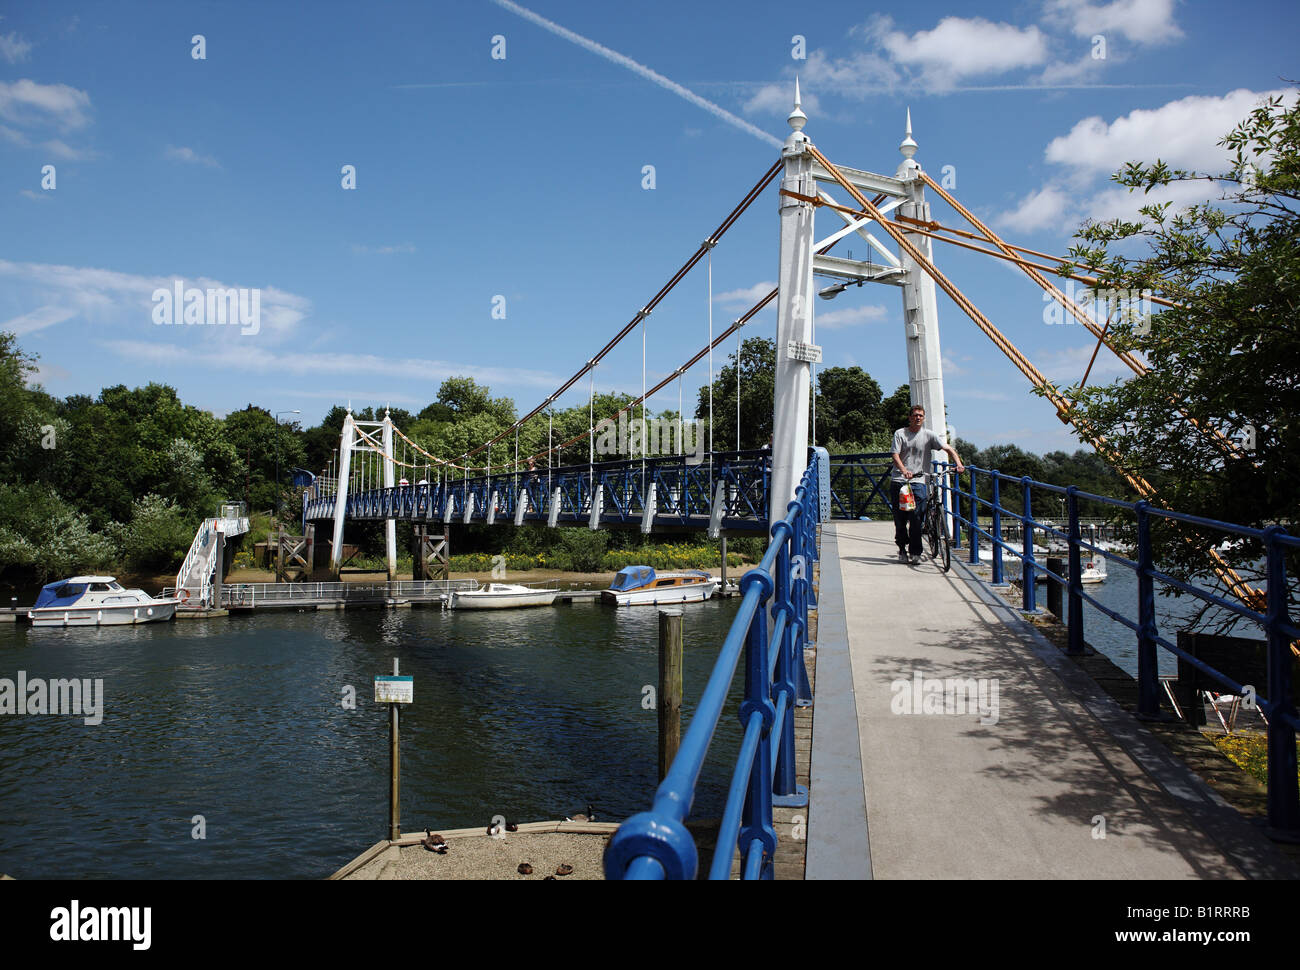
pixel 523 713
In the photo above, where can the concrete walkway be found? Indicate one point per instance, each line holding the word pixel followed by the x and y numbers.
pixel 1022 784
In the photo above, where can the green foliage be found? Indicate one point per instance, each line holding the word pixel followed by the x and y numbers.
pixel 757 380
pixel 42 537
pixel 159 535
pixel 1228 354
pixel 586 549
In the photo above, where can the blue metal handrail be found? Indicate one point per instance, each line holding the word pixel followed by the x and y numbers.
pixel 1275 622
pixel 656 844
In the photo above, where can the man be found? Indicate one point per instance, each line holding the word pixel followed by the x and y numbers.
pixel 912 447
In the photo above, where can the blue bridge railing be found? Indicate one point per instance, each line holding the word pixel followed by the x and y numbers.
pixel 1270 612
pixel 656 844
pixel 686 493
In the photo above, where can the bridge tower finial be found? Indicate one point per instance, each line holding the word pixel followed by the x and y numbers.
pixel 797 119
pixel 908 148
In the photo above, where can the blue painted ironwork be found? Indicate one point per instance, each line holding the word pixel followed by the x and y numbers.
pixel 656 844
pixel 1274 619
pixel 684 491
pixel 684 494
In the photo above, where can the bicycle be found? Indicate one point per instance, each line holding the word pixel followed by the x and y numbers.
pixel 935 525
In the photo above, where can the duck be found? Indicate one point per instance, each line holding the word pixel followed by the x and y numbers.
pixel 525 869
pixel 495 829
pixel 512 827
pixel 564 869
pixel 434 843
pixel 588 816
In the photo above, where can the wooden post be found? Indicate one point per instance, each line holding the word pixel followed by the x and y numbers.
pixel 394 772
pixel 1056 565
pixel 723 587
pixel 670 688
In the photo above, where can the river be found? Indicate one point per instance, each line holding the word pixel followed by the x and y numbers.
pixel 529 714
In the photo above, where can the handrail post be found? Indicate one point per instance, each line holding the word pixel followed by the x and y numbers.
pixel 1029 600
pixel 757 813
pixel 974 518
pixel 1283 802
pixel 785 783
pixel 954 493
pixel 1148 669
pixel 1076 571
pixel 997 531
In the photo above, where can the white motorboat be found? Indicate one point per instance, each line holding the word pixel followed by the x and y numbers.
pixel 1093 571
pixel 501 596
pixel 642 586
pixel 97 601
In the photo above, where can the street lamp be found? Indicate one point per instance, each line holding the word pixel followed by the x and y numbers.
pixel 277 459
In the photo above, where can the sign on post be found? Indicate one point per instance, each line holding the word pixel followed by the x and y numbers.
pixel 394 690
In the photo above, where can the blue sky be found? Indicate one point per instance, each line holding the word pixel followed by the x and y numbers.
pixel 521 176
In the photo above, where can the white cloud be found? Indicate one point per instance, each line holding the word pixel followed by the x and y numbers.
pixel 849 317
pixel 1067 365
pixel 1141 21
pixel 1182 133
pixel 748 296
pixel 38 196
pixel 247 356
pixel 1120 203
pixel 109 298
pixel 27 102
pixel 1038 210
pixel 14 48
pixel 383 250
pixel 190 156
pixel 39 319
pixel 61 150
pixel 622 60
pixel 959 48
pixel 388 397
pixel 1063 72
pixel 778 99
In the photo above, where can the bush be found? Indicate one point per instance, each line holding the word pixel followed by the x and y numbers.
pixel 43 537
pixel 586 549
pixel 159 535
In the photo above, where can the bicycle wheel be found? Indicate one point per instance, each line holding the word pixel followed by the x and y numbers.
pixel 931 527
pixel 945 542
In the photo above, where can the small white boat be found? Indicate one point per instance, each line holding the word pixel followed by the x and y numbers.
pixel 501 596
pixel 97 601
pixel 1094 571
pixel 642 586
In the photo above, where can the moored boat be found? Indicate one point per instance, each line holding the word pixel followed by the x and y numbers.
pixel 97 601
pixel 498 596
pixel 642 586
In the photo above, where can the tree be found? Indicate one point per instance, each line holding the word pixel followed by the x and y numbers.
pixel 849 414
pixel 757 380
pixel 1227 354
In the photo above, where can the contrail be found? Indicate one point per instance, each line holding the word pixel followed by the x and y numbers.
pixel 641 69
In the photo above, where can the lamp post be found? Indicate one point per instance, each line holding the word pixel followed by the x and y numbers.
pixel 277 460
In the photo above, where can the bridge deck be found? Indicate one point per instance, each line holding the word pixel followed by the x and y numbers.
pixel 916 795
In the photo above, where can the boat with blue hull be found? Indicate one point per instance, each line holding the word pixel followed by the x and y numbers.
pixel 642 586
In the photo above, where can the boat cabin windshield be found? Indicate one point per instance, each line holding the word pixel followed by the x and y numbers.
pixel 633 577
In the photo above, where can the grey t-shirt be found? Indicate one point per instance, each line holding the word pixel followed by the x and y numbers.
pixel 913 451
